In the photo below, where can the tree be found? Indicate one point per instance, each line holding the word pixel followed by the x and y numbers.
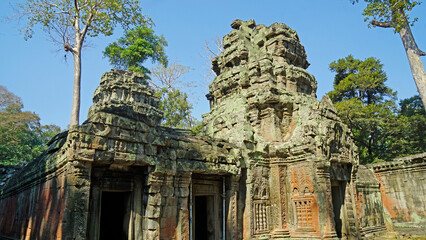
pixel 22 138
pixel 134 48
pixel 412 106
pixel 175 107
pixel 130 53
pixel 405 133
pixel 395 14
pixel 363 101
pixel 173 101
pixel 168 77
pixel 69 22
pixel 211 50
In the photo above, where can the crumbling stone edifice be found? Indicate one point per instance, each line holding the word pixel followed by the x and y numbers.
pixel 273 162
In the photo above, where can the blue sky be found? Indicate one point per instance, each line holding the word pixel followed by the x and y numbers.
pixel 329 29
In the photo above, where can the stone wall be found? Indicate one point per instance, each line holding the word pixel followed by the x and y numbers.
pixel 403 189
pixel 369 207
pixel 35 196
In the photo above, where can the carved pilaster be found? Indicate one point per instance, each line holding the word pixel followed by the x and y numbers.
pixel 181 185
pixel 232 215
pixel 151 222
pixel 279 201
pixel 77 200
pixel 324 180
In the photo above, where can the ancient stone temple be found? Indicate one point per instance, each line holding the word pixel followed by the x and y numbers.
pixel 272 163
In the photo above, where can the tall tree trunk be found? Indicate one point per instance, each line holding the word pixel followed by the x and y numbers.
pixel 413 54
pixel 75 112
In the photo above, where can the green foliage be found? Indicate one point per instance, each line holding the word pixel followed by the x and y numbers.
pixel 97 16
pixel 363 101
pixel 176 109
pixel 412 106
pixel 381 131
pixel 22 138
pixel 198 128
pixel 405 133
pixel 134 48
pixel 360 79
pixel 394 12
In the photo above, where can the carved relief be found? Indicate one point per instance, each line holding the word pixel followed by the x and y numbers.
pixel 261 203
pixel 303 198
pixel 282 173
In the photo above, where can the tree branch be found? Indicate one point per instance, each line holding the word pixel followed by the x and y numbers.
pixel 88 23
pixel 381 24
pixel 68 48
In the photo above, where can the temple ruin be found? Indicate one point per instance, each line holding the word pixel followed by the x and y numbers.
pixel 273 162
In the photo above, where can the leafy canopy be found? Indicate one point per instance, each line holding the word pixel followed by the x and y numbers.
pixel 363 101
pixel 381 130
pixel 130 53
pixel 22 138
pixel 175 106
pixel 64 18
pixel 134 48
pixel 168 84
pixel 394 12
pixel 359 79
pixel 405 133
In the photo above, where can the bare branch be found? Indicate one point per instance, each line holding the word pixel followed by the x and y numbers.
pixel 168 76
pixel 381 24
pixel 210 51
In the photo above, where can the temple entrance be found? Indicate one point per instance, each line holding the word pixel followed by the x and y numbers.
pixel 114 215
pixel 207 209
pixel 338 198
pixel 204 217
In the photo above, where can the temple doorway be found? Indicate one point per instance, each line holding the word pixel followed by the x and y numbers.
pixel 338 197
pixel 207 207
pixel 114 215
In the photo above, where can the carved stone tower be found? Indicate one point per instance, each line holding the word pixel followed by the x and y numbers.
pixel 296 148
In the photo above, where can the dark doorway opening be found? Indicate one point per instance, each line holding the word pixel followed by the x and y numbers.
pixel 114 215
pixel 201 217
pixel 338 198
pixel 204 218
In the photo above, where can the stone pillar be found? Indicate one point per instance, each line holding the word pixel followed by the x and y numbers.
pixel 278 180
pixel 77 202
pixel 182 194
pixel 151 222
pixel 326 212
pixel 137 213
pixel 232 231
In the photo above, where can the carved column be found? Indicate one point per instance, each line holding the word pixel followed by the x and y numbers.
pixel 151 223
pixel 232 214
pixel 325 182
pixel 77 199
pixel 182 193
pixel 278 180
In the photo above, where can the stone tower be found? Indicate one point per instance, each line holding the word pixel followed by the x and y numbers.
pixel 299 157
